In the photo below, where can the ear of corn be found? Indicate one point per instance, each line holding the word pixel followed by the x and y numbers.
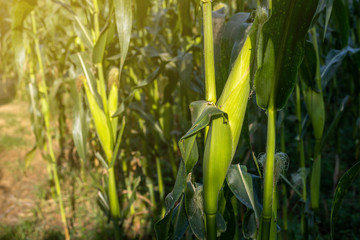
pixel 235 95
pixel 224 135
pixel 113 97
pixel 218 149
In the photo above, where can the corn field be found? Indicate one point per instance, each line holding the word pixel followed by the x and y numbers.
pixel 179 119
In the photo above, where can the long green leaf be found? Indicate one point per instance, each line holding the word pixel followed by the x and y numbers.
pixel 333 61
pixel 20 9
pixel 80 127
pixel 194 209
pixel 241 184
pixel 341 189
pixel 281 50
pixel 123 15
pixel 99 47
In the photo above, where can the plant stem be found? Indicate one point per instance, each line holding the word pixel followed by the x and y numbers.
pixel 269 174
pixel 300 146
pixel 96 20
pixel 210 87
pixel 211 232
pixel 315 176
pixel 114 202
pixel 160 183
pixel 300 141
pixel 46 114
pixel 316 168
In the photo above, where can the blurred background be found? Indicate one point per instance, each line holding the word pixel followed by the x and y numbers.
pixel 55 52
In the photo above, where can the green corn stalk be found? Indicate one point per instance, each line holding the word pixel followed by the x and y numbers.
pixel 113 85
pixel 210 86
pixel 211 193
pixel 155 97
pixel 104 130
pixel 302 159
pixel 315 106
pixel 283 187
pixel 223 135
pixel 166 123
pixel 45 109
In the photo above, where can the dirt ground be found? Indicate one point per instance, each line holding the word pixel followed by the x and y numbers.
pixel 18 188
pixel 25 194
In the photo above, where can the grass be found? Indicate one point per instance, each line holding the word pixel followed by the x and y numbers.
pixel 10 142
pixel 30 229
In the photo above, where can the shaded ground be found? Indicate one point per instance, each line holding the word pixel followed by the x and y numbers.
pixel 17 188
pixel 27 209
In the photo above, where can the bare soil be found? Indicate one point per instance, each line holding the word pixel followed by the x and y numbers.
pixel 18 188
pixel 25 194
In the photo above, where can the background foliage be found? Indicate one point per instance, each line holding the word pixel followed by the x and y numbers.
pixel 160 73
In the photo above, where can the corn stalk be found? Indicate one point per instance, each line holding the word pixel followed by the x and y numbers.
pixel 45 109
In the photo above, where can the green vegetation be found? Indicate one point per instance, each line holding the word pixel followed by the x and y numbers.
pixel 190 119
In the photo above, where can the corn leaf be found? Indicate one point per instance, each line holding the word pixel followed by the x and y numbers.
pixel 281 52
pixel 163 228
pixel 341 17
pixel 329 7
pixel 89 76
pixel 142 83
pixel 99 47
pixel 189 152
pixel 249 225
pixel 152 76
pixel 185 16
pixel 117 144
pixel 20 9
pixel 174 224
pixel 333 61
pixel 36 117
pixel 100 121
pixel 180 220
pixel 149 119
pixel 29 157
pixel 81 30
pixel 241 183
pixel 308 67
pixel 80 126
pixel 142 7
pixel 123 16
pixel 194 209
pixel 220 222
pixel 342 188
pixel 219 14
pixel 344 104
pixel 125 211
pixel 208 111
pixel 315 107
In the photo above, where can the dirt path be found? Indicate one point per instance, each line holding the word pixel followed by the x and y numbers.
pixel 26 201
pixel 18 189
pixel 25 194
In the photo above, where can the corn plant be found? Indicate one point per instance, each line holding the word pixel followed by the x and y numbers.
pixel 279 55
pixel 129 105
pixel 103 103
pixel 224 118
pixel 42 98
